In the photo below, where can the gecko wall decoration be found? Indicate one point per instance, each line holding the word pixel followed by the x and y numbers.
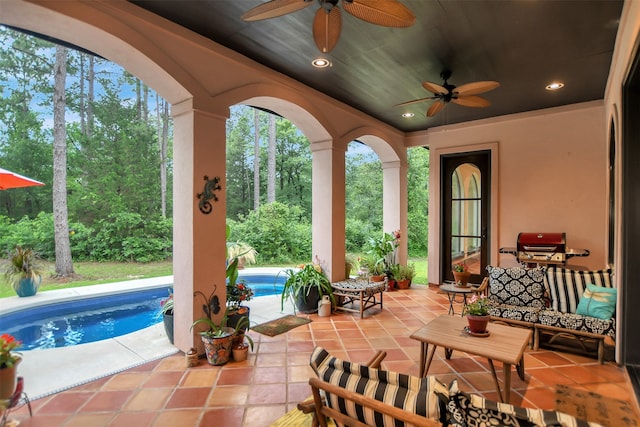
pixel 210 187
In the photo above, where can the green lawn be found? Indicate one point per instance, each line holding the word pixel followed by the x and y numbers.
pixel 96 273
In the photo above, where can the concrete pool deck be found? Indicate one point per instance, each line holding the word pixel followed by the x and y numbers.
pixel 53 370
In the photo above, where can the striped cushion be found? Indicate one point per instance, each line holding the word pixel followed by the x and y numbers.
pixel 403 391
pixel 566 286
pixel 517 286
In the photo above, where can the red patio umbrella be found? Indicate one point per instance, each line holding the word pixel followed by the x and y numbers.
pixel 10 179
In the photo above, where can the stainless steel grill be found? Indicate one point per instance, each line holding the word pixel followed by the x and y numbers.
pixel 543 248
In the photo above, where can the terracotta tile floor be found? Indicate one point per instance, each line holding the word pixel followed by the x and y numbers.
pixel 274 379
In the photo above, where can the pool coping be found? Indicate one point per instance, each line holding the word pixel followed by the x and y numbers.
pixel 50 371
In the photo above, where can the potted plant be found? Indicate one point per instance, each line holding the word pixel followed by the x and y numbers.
pixel 404 275
pixel 243 252
pixel 477 311
pixel 166 308
pixel 377 272
pixel 241 341
pixel 306 286
pixel 384 248
pixel 8 365
pixel 237 293
pixel 23 271
pixel 461 274
pixel 218 338
pixel 351 263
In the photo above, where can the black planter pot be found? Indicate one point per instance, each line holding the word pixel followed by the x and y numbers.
pixel 234 318
pixel 167 320
pixel 308 303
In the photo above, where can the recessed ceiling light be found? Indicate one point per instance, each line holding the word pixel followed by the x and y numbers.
pixel 321 63
pixel 554 86
pixel 407 115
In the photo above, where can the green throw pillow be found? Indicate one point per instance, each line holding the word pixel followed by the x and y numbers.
pixel 597 301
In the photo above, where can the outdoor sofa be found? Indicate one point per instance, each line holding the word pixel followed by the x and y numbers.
pixel 556 301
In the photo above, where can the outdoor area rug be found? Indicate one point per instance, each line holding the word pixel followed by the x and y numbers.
pixel 594 407
pixel 281 325
pixel 297 418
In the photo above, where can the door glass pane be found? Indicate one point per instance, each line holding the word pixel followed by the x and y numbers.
pixel 465 217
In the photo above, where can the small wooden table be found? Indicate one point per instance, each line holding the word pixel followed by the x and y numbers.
pixel 504 344
pixel 453 290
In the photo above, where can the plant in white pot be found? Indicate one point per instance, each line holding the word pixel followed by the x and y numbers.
pixel 23 271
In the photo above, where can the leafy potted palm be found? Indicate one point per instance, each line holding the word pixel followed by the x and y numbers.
pixel 23 271
pixel 218 338
pixel 306 286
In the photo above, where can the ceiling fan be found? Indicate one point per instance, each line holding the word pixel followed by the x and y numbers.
pixel 465 95
pixel 327 23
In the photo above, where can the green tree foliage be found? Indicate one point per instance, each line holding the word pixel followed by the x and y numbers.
pixel 418 199
pixel 25 145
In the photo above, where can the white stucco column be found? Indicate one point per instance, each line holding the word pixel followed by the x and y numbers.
pixel 394 202
pixel 199 240
pixel 328 206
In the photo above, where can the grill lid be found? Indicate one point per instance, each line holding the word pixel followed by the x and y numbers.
pixel 542 247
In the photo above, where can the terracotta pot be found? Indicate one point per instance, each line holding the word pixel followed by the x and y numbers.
pixel 240 353
pixel 403 284
pixel 391 285
pixel 377 278
pixel 8 380
pixel 477 324
pixel 461 278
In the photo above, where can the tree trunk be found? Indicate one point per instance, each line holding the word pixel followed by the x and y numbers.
pixel 90 97
pixel 271 161
pixel 256 159
pixel 64 262
pixel 163 123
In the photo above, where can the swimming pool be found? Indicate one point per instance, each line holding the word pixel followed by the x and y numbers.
pixel 84 320
pixel 79 321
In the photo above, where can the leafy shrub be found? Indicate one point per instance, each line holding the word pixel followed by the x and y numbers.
pixel 278 232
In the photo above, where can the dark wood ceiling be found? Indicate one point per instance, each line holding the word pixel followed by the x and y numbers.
pixel 523 44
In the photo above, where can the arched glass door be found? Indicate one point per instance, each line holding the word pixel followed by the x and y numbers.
pixel 465 213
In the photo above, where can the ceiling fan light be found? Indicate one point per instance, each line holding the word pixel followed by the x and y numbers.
pixel 554 86
pixel 321 63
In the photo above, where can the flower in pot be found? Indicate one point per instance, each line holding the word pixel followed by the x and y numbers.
pixel 218 338
pixel 477 311
pixel 306 286
pixel 241 341
pixel 237 293
pixel 461 273
pixel 23 271
pixel 9 361
pixel 166 309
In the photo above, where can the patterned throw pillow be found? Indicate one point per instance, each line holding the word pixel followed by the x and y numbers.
pixel 598 301
pixel 517 286
pixel 470 410
pixel 566 286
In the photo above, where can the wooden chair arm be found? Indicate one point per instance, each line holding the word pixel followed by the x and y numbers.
pixel 323 411
pixel 376 360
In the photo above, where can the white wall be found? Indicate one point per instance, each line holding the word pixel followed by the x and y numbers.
pixel 549 174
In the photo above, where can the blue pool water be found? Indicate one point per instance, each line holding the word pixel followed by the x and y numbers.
pixel 94 319
pixel 86 320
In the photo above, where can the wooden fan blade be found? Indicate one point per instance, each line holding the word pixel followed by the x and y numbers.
pixel 415 101
pixel 274 8
pixel 326 28
pixel 388 13
pixel 435 88
pixel 475 88
pixel 435 108
pixel 471 101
